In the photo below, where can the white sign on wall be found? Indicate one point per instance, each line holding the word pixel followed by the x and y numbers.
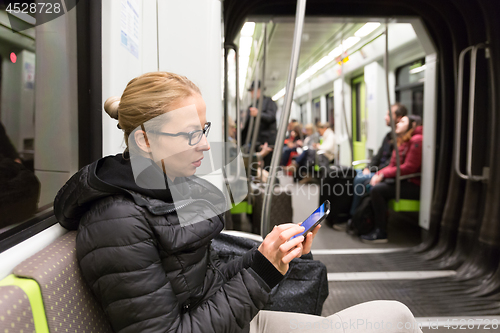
pixel 130 23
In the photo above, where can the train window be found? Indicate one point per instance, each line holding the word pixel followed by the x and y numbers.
pixel 316 110
pixel 303 113
pixel 20 188
pixel 410 86
pixel 42 121
pixel 330 110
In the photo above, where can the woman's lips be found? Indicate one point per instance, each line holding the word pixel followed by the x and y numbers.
pixel 197 163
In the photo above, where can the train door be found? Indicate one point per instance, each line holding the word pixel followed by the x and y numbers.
pixel 330 110
pixel 316 111
pixel 358 118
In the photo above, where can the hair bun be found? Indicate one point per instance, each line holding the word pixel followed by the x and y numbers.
pixel 111 106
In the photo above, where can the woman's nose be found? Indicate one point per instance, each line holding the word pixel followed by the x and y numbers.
pixel 203 145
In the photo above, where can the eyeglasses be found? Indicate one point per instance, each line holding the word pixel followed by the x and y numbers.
pixel 193 136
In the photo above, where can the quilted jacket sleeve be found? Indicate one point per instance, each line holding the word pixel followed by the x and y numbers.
pixel 119 259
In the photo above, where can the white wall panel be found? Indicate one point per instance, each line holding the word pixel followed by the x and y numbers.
pixel 191 45
pixel 342 134
pixel 376 105
pixel 119 64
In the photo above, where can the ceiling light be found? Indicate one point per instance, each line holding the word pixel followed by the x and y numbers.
pixel 248 29
pixel 280 94
pixel 350 42
pixel 367 29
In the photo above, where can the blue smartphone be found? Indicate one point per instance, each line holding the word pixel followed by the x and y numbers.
pixel 318 216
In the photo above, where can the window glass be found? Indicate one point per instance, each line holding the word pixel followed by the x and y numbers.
pixel 316 111
pixel 411 73
pixel 330 110
pixel 20 188
pixel 410 86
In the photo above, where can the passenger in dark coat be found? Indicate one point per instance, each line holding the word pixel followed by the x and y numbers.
pixel 145 225
pixel 267 129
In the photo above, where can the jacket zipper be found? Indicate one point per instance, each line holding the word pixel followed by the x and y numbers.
pixel 212 265
pixel 186 307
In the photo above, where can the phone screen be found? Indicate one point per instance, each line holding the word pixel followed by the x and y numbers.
pixel 315 218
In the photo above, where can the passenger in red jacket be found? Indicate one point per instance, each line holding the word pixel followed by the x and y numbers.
pixel 409 132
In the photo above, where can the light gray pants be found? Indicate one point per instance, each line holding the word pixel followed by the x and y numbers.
pixel 376 316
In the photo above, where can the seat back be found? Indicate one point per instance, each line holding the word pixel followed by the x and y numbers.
pixel 68 302
pixel 15 310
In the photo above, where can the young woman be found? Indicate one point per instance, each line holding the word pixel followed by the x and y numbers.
pixel 409 133
pixel 145 225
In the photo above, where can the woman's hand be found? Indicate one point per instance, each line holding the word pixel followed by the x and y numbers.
pixel 376 179
pixel 366 171
pixel 279 250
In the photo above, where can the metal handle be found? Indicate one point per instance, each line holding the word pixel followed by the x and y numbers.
pixel 280 138
pixel 472 109
pixel 458 112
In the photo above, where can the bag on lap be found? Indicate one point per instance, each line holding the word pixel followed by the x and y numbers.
pixel 304 288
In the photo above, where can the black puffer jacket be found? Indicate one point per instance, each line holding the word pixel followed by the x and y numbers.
pixel 149 273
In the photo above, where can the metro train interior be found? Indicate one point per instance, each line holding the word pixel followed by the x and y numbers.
pixel 336 63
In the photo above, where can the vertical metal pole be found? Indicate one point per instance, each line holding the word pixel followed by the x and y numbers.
pixel 261 98
pixel 393 126
pixel 237 104
pixel 238 111
pixel 290 87
pixel 349 135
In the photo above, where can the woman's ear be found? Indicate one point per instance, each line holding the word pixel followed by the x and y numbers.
pixel 141 139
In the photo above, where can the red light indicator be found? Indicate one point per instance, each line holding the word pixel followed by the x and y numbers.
pixel 13 57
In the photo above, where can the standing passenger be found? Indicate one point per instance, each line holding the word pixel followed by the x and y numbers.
pixel 267 128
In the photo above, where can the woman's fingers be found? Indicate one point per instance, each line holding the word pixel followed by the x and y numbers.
pixel 295 253
pixel 288 233
pixel 287 246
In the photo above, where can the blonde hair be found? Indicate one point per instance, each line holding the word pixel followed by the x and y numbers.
pixel 310 127
pixel 146 97
pixel 324 125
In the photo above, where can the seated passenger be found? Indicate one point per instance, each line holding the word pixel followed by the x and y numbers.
pixel 307 151
pixel 328 147
pixel 292 143
pixel 378 162
pixel 409 133
pixel 145 225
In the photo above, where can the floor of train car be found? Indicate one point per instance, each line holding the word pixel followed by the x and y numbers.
pixel 389 272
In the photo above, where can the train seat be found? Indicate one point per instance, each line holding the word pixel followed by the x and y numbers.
pixel 68 304
pixel 15 309
pixel 404 205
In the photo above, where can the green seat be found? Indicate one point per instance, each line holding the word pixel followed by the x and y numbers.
pixel 405 205
pixel 34 308
pixel 242 208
